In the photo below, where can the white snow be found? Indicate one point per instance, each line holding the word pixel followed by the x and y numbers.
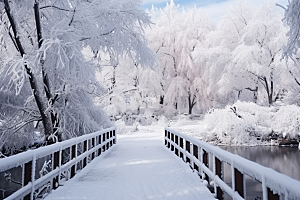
pixel 138 167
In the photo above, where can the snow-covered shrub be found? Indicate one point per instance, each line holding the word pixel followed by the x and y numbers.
pixel 226 126
pixel 16 142
pixel 287 121
pixel 246 123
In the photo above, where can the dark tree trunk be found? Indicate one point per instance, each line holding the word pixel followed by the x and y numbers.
pixel 38 92
pixel 47 88
pixel 161 100
pixel 192 103
pixel 255 91
pixel 269 91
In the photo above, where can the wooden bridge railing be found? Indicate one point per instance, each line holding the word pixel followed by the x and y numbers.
pixel 68 156
pixel 195 152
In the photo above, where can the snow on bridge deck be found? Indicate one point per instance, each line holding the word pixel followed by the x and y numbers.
pixel 138 167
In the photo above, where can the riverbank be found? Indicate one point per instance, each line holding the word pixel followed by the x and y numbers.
pixel 246 124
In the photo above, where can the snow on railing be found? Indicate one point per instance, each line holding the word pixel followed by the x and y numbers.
pixel 67 157
pixel 195 152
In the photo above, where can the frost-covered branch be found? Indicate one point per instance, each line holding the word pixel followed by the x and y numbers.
pixel 292 20
pixel 58 8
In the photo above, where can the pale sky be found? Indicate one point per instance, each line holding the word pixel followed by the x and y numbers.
pixel 214 8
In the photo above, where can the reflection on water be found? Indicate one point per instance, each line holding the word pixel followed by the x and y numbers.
pixel 285 160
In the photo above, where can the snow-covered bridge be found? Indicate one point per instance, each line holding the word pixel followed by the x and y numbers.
pixel 141 167
pixel 138 167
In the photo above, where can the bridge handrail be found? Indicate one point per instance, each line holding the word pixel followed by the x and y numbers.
pixel 93 145
pixel 274 183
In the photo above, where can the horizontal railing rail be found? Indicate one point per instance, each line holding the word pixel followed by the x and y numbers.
pixel 68 156
pixel 194 151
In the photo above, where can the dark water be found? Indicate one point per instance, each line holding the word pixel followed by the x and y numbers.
pixel 8 187
pixel 285 160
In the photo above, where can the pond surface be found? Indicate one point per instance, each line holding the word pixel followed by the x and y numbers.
pixel 285 160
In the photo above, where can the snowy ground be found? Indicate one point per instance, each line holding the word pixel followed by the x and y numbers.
pixel 138 167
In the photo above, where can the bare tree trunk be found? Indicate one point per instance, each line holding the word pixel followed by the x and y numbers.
pixel 38 92
pixel 255 91
pixel 47 88
pixel 192 103
pixel 269 91
pixel 161 99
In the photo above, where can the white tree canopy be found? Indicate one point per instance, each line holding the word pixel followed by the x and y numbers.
pixel 42 59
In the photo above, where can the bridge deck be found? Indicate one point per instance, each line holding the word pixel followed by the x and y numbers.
pixel 138 167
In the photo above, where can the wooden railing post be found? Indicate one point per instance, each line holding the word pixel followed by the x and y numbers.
pixel 99 139
pixel 166 134
pixel 218 165
pixel 169 139
pixel 172 139
pixel 181 146
pixel 103 147
pixel 195 153
pixel 73 155
pixel 187 148
pixel 107 137
pixel 55 165
pixel 27 176
pixel 206 163
pixel 176 142
pixel 99 142
pixel 114 134
pixel 84 150
pixel 239 182
pixel 111 142
pixel 93 146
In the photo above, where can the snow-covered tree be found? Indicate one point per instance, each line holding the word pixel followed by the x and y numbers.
pixel 292 19
pixel 290 49
pixel 173 45
pixel 215 55
pixel 257 59
pixel 130 86
pixel 242 58
pixel 42 59
pixel 162 40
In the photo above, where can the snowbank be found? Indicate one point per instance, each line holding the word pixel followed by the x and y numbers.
pixel 245 123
